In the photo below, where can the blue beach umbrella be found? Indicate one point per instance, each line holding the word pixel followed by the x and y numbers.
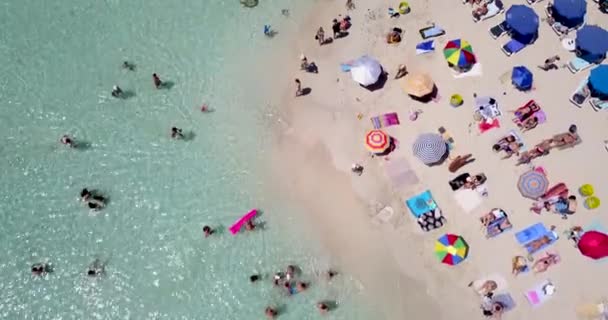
pixel 591 43
pixel 522 21
pixel 522 78
pixel 570 13
pixel 598 82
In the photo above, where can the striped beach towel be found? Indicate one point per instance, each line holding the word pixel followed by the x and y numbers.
pixel 385 120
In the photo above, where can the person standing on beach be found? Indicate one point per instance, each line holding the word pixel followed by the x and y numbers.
pixel 157 82
pixel 350 5
pixel 320 36
pixel 298 87
pixel 335 27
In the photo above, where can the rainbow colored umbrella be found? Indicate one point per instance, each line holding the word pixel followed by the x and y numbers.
pixel 459 53
pixel 451 249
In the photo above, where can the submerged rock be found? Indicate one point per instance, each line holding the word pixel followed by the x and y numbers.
pixel 249 3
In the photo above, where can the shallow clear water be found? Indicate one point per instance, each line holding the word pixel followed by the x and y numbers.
pixel 59 61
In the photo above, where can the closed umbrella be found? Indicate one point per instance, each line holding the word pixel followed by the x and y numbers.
pixel 377 141
pixel 430 148
pixel 594 244
pixel 570 13
pixel 451 249
pixel 598 82
pixel 533 184
pixel 459 53
pixel 522 22
pixel 522 78
pixel 366 70
pixel 591 43
pixel 419 85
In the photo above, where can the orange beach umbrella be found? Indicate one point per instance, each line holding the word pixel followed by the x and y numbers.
pixel 377 141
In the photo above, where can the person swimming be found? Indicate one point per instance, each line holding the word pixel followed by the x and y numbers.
pixel 68 141
pixel 322 307
pixel 271 313
pixel 291 272
pixel 127 65
pixel 94 201
pixel 250 226
pixel 208 231
pixel 254 277
pixel 40 269
pixel 176 133
pixel 96 268
pixel 116 92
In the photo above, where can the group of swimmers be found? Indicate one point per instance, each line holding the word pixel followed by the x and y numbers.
pixel 287 280
pixel 96 268
pixel 93 199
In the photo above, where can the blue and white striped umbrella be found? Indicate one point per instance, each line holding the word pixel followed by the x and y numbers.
pixel 430 148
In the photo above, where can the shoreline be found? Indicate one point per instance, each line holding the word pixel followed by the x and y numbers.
pixel 319 136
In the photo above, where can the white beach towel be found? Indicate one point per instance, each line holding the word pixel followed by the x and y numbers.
pixel 476 71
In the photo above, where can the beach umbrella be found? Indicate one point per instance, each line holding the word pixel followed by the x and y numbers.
pixel 570 13
pixel 451 249
pixel 591 43
pixel 459 53
pixel 418 85
pixel 430 148
pixel 533 184
pixel 594 244
pixel 598 82
pixel 522 22
pixel 366 70
pixel 521 78
pixel 377 141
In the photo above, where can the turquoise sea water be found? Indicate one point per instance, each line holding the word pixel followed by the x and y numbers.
pixel 59 61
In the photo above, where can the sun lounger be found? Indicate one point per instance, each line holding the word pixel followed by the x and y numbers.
pixel 499 30
pixel 512 47
pixel 540 293
pixel 580 95
pixel 421 204
pixel 598 104
pixel 561 30
pixel 577 65
pixel 431 32
pixel 493 10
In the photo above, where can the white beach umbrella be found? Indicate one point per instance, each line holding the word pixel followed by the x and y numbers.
pixel 366 70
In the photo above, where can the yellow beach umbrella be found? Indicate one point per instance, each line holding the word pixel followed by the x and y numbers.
pixel 418 85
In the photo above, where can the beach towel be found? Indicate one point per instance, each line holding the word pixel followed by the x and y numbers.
pixel 531 233
pixel 385 120
pixel 519 139
pixel 540 293
pixel 498 226
pixel 485 126
pixel 431 220
pixel 425 47
pixel 541 116
pixel 468 199
pixel 421 204
pixel 400 173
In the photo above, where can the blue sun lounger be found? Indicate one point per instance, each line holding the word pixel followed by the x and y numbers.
pixel 534 232
pixel 431 32
pixel 512 47
pixel 421 204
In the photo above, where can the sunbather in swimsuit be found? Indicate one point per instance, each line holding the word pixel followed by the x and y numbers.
pixel 529 124
pixel 480 12
pixel 567 138
pixel 542 264
pixel 498 228
pixel 525 112
pixel 538 244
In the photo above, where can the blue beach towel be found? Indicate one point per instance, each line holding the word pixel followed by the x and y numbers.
pixel 425 47
pixel 531 233
pixel 552 238
pixel 421 204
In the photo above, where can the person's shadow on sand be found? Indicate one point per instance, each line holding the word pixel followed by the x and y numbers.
pixel 306 91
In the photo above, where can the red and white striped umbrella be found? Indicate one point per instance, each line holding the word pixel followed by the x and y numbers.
pixel 377 141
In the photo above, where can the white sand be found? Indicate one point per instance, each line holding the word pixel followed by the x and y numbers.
pixel 319 137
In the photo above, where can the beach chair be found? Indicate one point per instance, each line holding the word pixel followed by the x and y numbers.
pixel 494 8
pixel 512 47
pixel 499 30
pixel 431 32
pixel 580 95
pixel 577 65
pixel 598 104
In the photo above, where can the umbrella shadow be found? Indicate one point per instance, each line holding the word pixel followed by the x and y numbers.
pixel 427 98
pixel 379 84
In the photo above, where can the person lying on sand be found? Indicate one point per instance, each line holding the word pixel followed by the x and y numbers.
pixel 401 72
pixel 486 289
pixel 542 264
pixel 529 124
pixel 480 11
pixel 565 206
pixel 519 265
pixel 567 138
pixel 538 243
pixel 539 150
pixel 509 145
pixel 394 36
pixel 459 162
pixel 521 114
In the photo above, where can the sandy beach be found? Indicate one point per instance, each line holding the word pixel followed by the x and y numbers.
pixel 319 136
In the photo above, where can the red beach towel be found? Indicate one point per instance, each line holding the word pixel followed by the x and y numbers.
pixel 485 126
